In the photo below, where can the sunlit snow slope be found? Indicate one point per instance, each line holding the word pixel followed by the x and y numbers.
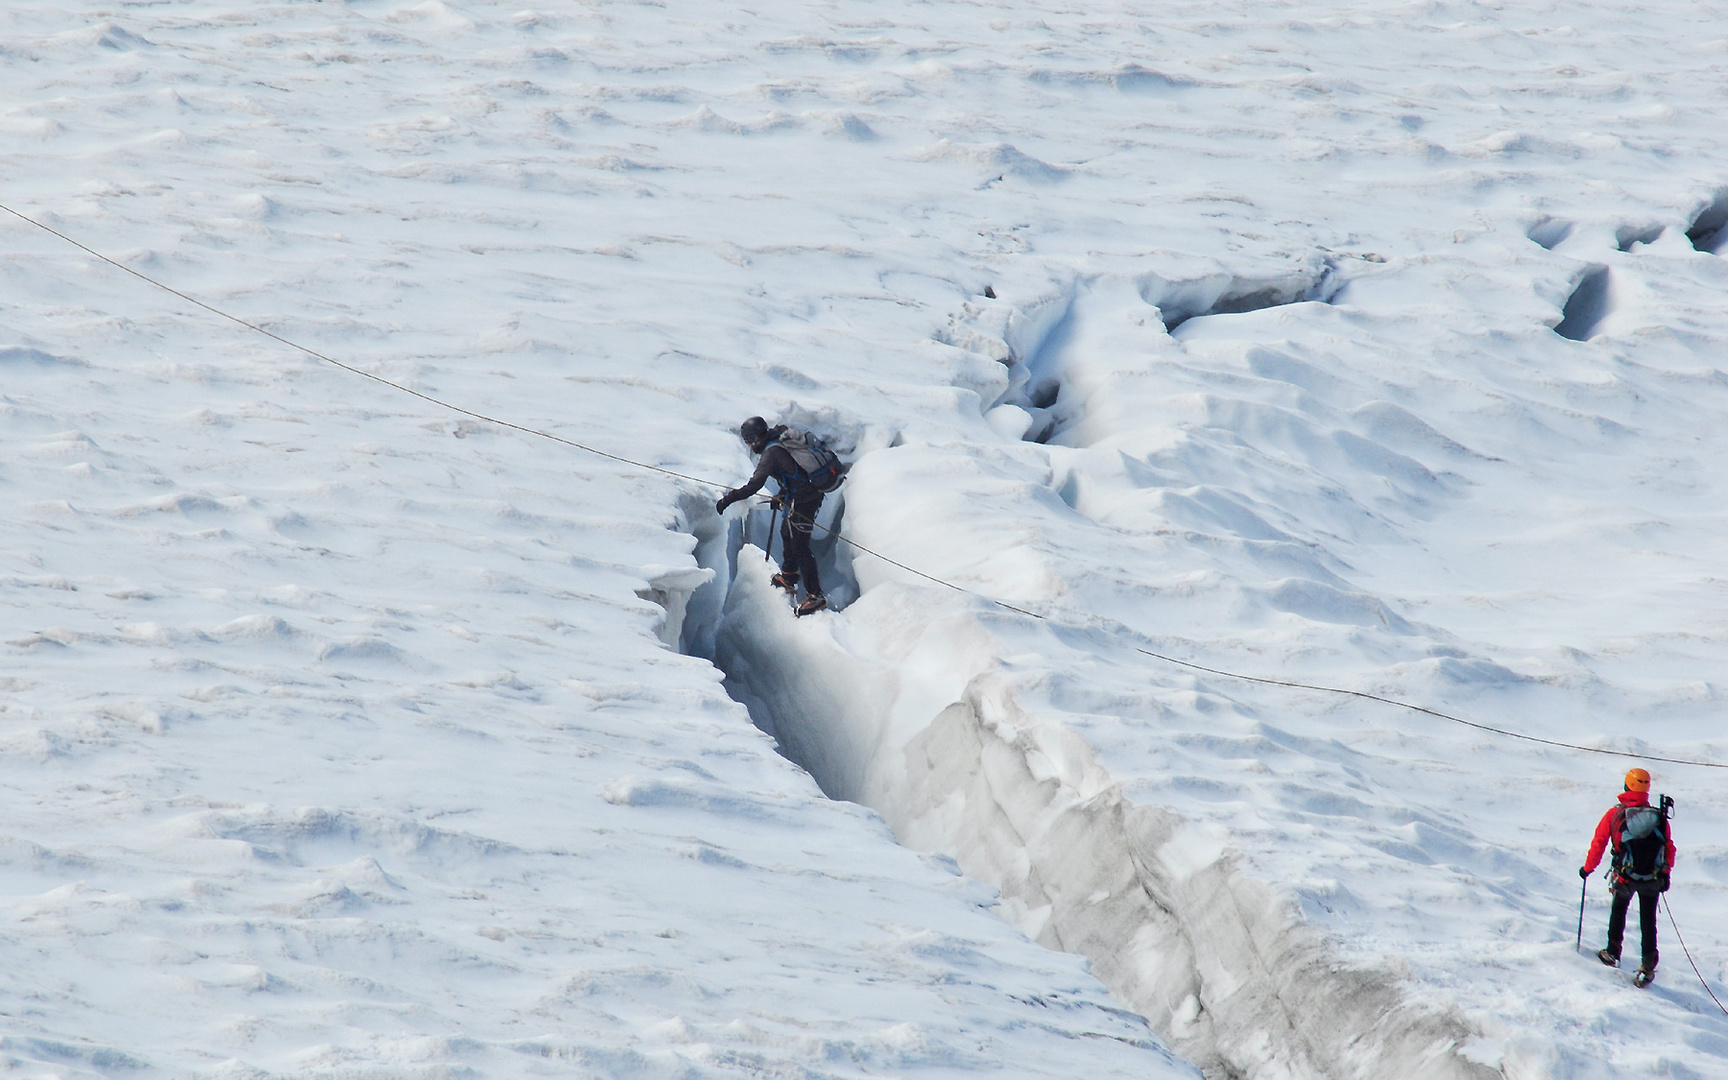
pixel 1375 345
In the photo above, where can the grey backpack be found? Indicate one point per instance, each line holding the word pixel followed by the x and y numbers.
pixel 822 468
pixel 1641 843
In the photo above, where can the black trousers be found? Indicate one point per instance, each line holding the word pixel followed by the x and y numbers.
pixel 1648 895
pixel 796 558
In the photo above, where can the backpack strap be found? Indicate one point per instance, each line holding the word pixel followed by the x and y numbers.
pixel 816 468
pixel 789 482
pixel 1622 857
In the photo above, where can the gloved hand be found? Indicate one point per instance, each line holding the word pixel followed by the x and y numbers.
pixel 1583 872
pixel 775 502
pixel 725 501
pixel 1661 882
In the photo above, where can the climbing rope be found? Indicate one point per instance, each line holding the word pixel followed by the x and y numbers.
pixel 1291 684
pixel 1702 981
pixel 309 351
pixel 1433 712
pixel 453 407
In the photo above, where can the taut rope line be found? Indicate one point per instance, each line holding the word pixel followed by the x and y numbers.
pixel 1432 712
pixel 441 403
pixel 892 562
pixel 349 367
pixel 1363 694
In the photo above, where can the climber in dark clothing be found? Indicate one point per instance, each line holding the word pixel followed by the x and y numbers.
pixel 796 496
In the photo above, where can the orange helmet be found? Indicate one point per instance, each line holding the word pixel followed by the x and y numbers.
pixel 1637 780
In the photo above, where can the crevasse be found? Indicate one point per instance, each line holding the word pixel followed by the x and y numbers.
pixel 1220 963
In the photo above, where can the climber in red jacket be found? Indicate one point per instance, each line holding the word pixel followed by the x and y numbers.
pixel 1643 856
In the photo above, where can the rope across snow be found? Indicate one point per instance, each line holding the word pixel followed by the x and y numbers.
pixel 1219 961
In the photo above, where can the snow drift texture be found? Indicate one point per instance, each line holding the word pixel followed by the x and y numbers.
pixel 1376 345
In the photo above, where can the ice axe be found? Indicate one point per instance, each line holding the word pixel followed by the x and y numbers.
pixel 1583 887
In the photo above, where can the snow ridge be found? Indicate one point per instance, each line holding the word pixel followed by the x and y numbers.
pixel 1224 966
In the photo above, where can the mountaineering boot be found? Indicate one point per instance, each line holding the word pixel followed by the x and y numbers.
pixel 812 604
pixel 783 580
pixel 1612 959
pixel 1644 977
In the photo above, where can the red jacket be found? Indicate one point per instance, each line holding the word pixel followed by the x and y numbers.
pixel 1605 829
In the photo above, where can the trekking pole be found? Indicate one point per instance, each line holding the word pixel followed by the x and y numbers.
pixel 1583 887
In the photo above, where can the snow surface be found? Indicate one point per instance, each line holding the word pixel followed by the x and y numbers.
pixel 1378 346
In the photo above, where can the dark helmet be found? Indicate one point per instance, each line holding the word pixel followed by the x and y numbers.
pixel 753 431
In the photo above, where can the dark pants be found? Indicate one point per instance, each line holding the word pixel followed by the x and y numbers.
pixel 796 558
pixel 1648 895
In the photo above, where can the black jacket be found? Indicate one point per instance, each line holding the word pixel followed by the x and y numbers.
pixel 777 464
